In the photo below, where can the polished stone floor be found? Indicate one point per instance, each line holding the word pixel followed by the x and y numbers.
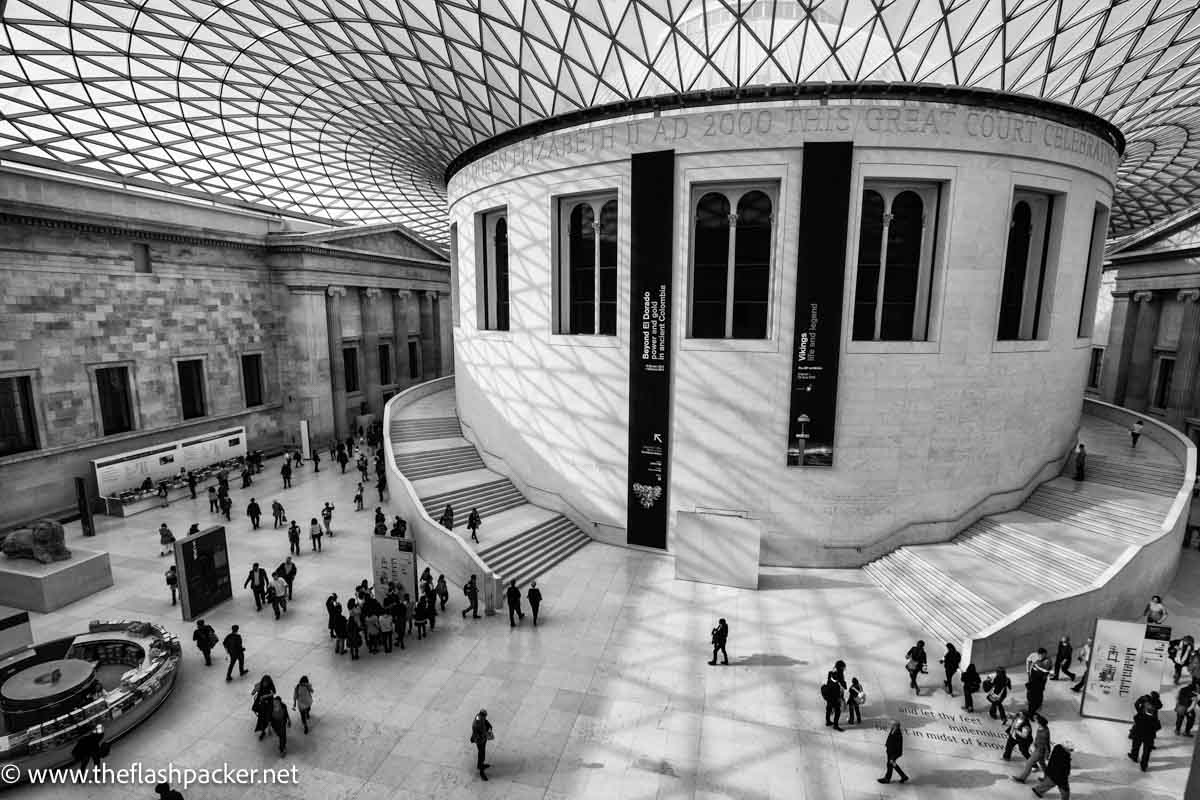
pixel 610 698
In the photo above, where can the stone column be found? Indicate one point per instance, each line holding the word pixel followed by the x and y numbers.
pixel 1181 403
pixel 337 369
pixel 400 334
pixel 372 380
pixel 429 357
pixel 1120 343
pixel 445 333
pixel 1141 361
pixel 304 385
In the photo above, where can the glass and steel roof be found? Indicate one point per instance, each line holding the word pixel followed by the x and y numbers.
pixel 349 110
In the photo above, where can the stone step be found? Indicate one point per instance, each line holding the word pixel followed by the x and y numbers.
pixel 490 498
pixel 524 556
pixel 1038 559
pixel 907 590
pixel 416 466
pixel 1150 478
pixel 424 428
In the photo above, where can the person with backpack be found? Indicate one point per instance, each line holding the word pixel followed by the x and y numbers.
pixel 471 590
pixel 1145 728
pixel 914 664
pixel 720 635
pixel 997 688
pixel 1185 707
pixel 834 692
pixel 473 523
pixel 206 639
pixel 1020 735
pixel 856 698
pixel 950 662
pixel 970 684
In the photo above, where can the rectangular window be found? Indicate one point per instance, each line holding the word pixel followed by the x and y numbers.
pixel 350 364
pixel 141 258
pixel 1097 363
pixel 414 360
pixel 732 243
pixel 18 423
pixel 585 290
pixel 116 410
pixel 385 364
pixel 894 280
pixel 454 302
pixel 1026 288
pixel 1163 374
pixel 252 382
pixel 191 388
pixel 492 278
pixel 1094 266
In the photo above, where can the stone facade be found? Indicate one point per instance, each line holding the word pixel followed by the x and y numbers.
pixel 232 284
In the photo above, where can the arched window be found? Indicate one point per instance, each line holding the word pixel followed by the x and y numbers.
pixel 731 262
pixel 491 284
pixel 893 287
pixel 1025 290
pixel 585 280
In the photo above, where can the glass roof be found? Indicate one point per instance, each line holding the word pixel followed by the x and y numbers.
pixel 349 110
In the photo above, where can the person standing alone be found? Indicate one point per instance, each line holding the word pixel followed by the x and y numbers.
pixel 894 748
pixel 473 523
pixel 254 512
pixel 720 635
pixel 481 734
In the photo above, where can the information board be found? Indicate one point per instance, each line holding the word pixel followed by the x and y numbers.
pixel 393 560
pixel 1128 661
pixel 128 470
pixel 203 563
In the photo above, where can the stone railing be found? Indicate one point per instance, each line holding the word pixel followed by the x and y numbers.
pixel 445 551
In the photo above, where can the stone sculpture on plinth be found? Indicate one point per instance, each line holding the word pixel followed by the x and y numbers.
pixel 44 542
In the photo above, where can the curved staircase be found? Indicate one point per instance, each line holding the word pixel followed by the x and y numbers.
pixel 518 540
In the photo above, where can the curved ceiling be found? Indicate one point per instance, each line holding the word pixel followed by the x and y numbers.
pixel 349 110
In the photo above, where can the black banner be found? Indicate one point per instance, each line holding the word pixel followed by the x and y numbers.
pixel 651 223
pixel 820 276
pixel 203 561
pixel 83 502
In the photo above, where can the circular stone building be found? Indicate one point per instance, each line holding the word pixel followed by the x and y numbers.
pixel 853 317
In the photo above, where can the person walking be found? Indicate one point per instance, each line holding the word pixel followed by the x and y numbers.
pixel 285 472
pixel 237 653
pixel 226 507
pixel 1020 735
pixel 856 698
pixel 172 578
pixel 358 498
pixel 914 664
pixel 247 477
pixel 262 697
pixel 166 540
pixel 191 484
pixel 1135 432
pixel 387 629
pixel 1186 702
pixel 90 748
pixel 342 458
pixel 206 639
pixel 1058 772
pixel 1062 658
pixel 340 631
pixel 281 720
pixel 950 662
pixel 894 748
pixel 363 466
pixel 447 518
pixel 257 581
pixel 442 590
pixel 513 597
pixel 471 590
pixel 254 512
pixel 327 518
pixel 381 485
pixel 1084 657
pixel 1039 673
pixel 401 613
pixel 1184 650
pixel 354 634
pixel 1145 728
pixel 970 684
pixel 287 570
pixel 293 534
pixel 302 700
pixel 720 635
pixel 1040 750
pixel 278 513
pixel 314 535
pixel 534 596
pixel 1080 462
pixel 1155 612
pixel 316 459
pixel 213 506
pixel 481 734
pixel 834 693
pixel 997 688
pixel 473 523
pixel 332 609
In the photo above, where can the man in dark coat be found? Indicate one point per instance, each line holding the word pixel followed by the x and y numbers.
pixel 513 597
pixel 254 512
pixel 534 595
pixel 226 506
pixel 237 653
pixel 720 635
pixel 894 747
pixel 90 748
pixel 1062 658
pixel 287 570
pixel 257 581
pixel 1039 673
pixel 285 472
pixel 1058 772
pixel 834 692
pixel 471 590
pixel 481 731
pixel 191 484
pixel 1145 728
pixel 206 639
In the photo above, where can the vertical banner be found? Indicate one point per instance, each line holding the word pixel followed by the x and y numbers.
pixel 820 276
pixel 1128 661
pixel 84 503
pixel 651 234
pixel 203 562
pixel 393 560
pixel 305 447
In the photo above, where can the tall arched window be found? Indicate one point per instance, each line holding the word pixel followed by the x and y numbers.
pixel 585 291
pixel 732 244
pixel 893 288
pixel 491 279
pixel 1025 289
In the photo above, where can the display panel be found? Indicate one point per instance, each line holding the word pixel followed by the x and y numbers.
pixel 203 562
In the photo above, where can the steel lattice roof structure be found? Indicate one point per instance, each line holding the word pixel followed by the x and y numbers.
pixel 348 111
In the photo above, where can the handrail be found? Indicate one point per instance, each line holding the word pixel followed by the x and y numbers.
pixel 423 522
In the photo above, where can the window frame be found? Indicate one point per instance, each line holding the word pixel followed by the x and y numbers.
pixel 131 395
pixel 388 362
pixel 1157 390
pixel 1095 366
pixel 414 358
pixel 1051 248
pixel 347 345
pixel 1093 271
pixel 262 382
pixel 455 276
pixel 488 305
pixel 143 258
pixel 35 412
pixel 560 282
pixel 205 407
pixel 734 190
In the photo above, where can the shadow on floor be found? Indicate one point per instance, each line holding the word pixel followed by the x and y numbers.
pixel 766 660
pixel 956 779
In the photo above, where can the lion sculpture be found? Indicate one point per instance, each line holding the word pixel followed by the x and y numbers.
pixel 44 542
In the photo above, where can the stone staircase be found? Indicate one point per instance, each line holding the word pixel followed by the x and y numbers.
pixel 519 541
pixel 1058 543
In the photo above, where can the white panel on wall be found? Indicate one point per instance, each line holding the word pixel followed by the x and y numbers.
pixel 1169 323
pixel 351 315
pixel 383 314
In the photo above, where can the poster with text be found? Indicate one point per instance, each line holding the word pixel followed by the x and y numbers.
pixel 1128 661
pixel 393 561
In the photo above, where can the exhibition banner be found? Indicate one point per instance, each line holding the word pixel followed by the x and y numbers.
pixel 203 563
pixel 820 278
pixel 651 215
pixel 393 560
pixel 162 461
pixel 1128 661
pixel 83 502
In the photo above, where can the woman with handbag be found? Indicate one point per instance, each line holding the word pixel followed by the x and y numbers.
pixel 915 664
pixel 481 734
pixel 856 698
pixel 997 693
